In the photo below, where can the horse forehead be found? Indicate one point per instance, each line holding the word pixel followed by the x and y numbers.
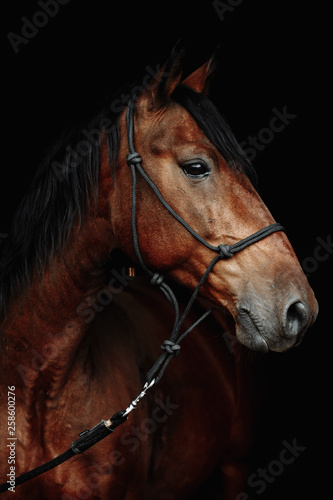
pixel 174 126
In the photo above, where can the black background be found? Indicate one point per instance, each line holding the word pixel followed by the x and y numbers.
pixel 273 54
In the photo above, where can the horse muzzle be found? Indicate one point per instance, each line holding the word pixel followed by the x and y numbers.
pixel 262 329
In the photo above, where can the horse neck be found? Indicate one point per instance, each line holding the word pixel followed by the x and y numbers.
pixel 43 327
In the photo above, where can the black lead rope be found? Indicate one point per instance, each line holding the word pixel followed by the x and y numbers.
pixel 171 346
pixel 87 439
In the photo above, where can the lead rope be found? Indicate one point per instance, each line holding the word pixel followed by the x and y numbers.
pixel 170 347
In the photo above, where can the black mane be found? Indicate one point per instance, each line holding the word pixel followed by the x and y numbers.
pixel 57 197
pixel 59 193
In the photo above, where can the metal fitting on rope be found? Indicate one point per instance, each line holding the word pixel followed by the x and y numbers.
pixel 133 158
pixel 133 404
pixel 156 279
pixel 224 251
pixel 170 347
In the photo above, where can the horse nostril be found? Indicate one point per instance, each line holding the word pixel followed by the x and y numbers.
pixel 297 317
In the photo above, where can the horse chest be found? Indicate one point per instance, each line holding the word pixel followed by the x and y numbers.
pixel 171 443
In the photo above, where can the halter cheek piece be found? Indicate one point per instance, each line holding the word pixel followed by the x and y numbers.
pixel 170 347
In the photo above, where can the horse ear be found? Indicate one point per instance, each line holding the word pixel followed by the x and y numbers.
pixel 167 78
pixel 200 80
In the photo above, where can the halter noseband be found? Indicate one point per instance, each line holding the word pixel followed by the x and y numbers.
pixel 171 347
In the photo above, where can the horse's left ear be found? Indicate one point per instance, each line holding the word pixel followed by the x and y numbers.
pixel 168 77
pixel 200 80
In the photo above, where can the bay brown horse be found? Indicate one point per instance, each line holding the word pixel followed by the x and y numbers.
pixel 78 333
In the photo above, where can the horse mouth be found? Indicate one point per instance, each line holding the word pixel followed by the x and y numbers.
pixel 250 331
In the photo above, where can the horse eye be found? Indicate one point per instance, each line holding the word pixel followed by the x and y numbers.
pixel 196 170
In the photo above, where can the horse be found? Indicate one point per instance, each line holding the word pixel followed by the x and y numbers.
pixel 80 329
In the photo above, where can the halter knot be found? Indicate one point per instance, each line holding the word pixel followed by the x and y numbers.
pixel 156 279
pixel 170 347
pixel 224 251
pixel 133 158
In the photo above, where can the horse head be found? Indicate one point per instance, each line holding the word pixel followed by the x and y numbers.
pixel 190 154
